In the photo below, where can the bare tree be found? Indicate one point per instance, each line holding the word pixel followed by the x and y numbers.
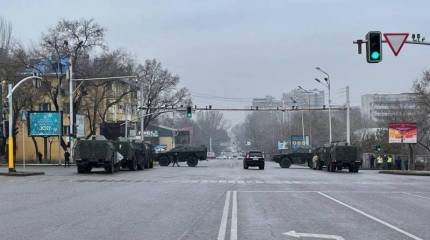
pixel 160 89
pixel 211 124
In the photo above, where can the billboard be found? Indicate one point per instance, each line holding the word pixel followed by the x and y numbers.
pixel 80 125
pixel 283 145
pixel 405 132
pixel 45 124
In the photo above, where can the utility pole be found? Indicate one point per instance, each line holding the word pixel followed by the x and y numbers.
pixel 126 121
pixel 348 124
pixel 71 125
pixel 141 112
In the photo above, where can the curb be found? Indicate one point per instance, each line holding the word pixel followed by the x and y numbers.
pixel 21 174
pixel 409 173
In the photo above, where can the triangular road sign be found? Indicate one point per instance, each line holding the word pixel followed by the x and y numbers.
pixel 396 41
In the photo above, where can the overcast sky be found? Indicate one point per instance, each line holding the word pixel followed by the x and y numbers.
pixel 245 49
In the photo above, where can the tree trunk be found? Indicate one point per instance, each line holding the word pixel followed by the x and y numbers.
pixel 411 157
pixel 36 147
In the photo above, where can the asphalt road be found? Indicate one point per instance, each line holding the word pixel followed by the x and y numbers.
pixel 216 200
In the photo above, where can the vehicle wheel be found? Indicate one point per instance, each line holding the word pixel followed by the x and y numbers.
pixel 140 163
pixel 245 166
pixel 319 166
pixel 82 169
pixel 285 163
pixel 132 165
pixel 110 168
pixel 192 161
pixel 333 168
pixel 339 168
pixel 151 163
pixel 117 167
pixel 164 161
pixel 145 162
pixel 261 167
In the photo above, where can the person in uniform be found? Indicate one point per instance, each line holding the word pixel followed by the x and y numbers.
pixel 379 161
pixel 175 160
pixel 315 161
pixel 389 162
pixel 66 158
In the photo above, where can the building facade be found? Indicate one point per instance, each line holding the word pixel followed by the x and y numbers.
pixel 388 107
pixel 266 102
pixel 313 98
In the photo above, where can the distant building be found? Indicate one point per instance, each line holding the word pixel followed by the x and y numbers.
pixel 314 98
pixel 266 102
pixel 385 107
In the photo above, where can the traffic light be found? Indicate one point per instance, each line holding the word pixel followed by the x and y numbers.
pixel 189 112
pixel 378 148
pixel 374 47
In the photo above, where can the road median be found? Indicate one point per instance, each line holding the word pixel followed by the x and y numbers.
pixel 410 173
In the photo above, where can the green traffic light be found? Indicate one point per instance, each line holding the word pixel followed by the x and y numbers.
pixel 189 115
pixel 375 55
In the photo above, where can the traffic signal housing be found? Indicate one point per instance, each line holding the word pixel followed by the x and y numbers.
pixel 189 112
pixel 374 47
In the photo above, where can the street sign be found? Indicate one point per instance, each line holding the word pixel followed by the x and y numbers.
pixel 396 41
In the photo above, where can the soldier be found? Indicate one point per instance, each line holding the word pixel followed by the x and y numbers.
pixel 315 161
pixel 175 160
pixel 66 158
pixel 372 161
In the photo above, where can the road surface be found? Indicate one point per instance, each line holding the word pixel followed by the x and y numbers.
pixel 216 200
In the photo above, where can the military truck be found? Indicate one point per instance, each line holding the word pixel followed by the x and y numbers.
pixel 132 154
pixel 145 153
pixel 296 156
pixel 96 152
pixel 183 153
pixel 338 156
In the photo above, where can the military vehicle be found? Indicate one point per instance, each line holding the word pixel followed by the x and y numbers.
pixel 183 153
pixel 338 156
pixel 132 153
pixel 296 156
pixel 96 152
pixel 145 153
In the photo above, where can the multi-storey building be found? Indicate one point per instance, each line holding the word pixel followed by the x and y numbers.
pixel 388 107
pixel 313 98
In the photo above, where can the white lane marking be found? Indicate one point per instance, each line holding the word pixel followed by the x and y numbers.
pixel 415 195
pixel 312 235
pixel 233 230
pixel 328 191
pixel 224 218
pixel 371 217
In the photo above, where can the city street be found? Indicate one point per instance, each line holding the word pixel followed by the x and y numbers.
pixel 216 200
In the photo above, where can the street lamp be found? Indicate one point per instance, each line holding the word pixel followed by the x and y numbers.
pixel 308 92
pixel 327 85
pixel 303 123
pixel 11 89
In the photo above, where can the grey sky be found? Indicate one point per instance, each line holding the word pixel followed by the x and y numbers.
pixel 248 48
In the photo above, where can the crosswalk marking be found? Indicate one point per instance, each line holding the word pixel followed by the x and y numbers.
pixel 191 181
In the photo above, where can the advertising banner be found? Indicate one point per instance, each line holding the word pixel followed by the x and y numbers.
pixel 80 125
pixel 405 132
pixel 45 124
pixel 297 141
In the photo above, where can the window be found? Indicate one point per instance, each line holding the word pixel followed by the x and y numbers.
pixel 44 107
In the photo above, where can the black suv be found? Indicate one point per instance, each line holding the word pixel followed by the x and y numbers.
pixel 254 159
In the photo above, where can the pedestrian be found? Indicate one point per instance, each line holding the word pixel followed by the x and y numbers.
pixel 398 163
pixel 384 166
pixel 39 157
pixel 66 158
pixel 175 160
pixel 379 162
pixel 389 162
pixel 315 161
pixel 372 161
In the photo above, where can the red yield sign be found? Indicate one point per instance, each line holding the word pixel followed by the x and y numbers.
pixel 396 41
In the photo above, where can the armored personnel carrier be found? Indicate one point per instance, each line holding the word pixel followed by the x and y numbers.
pixel 96 152
pixel 132 153
pixel 184 153
pixel 297 156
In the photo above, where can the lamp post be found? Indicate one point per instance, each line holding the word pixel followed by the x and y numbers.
pixel 303 123
pixel 327 84
pixel 308 92
pixel 11 89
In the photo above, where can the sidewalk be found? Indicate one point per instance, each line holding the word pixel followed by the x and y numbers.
pixel 411 173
